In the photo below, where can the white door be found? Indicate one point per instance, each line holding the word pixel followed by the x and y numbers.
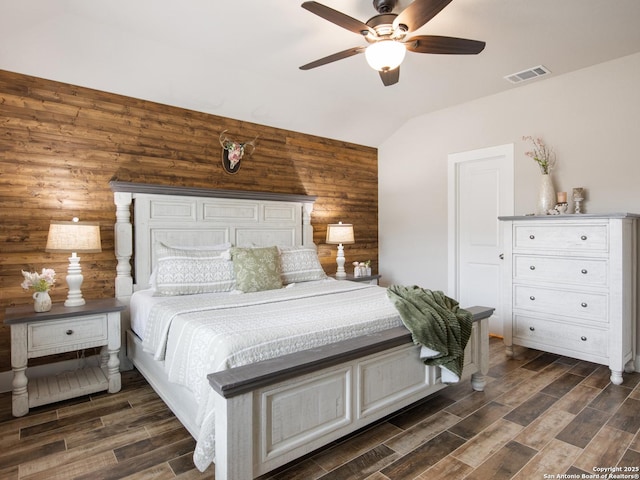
pixel 480 190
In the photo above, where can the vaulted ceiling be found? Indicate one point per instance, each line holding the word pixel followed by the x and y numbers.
pixel 240 58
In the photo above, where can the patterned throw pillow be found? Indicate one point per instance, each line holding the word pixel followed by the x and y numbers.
pixel 300 264
pixel 256 269
pixel 188 272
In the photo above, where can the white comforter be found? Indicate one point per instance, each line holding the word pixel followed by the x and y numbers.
pixel 201 334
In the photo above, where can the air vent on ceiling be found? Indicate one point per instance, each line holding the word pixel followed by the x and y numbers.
pixel 528 74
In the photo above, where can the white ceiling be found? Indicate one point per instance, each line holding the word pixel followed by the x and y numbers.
pixel 240 58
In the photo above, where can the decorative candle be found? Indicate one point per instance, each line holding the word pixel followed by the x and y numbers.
pixel 578 193
pixel 562 197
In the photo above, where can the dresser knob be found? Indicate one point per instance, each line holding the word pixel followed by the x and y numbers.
pixel 584 271
pixel 532 237
pixel 583 237
pixel 583 338
pixel 583 305
pixel 532 267
pixel 532 297
pixel 69 332
pixel 532 329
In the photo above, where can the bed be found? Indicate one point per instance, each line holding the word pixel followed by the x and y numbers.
pixel 255 409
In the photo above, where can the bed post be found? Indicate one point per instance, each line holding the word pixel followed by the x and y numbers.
pixel 234 437
pixel 478 379
pixel 123 246
pixel 123 237
pixel 307 228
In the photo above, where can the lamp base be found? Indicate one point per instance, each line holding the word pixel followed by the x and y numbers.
pixel 74 302
pixel 340 273
pixel 74 282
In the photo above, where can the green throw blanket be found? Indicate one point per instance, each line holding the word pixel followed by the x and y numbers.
pixel 437 323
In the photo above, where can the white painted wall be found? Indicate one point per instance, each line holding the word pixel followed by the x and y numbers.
pixel 590 117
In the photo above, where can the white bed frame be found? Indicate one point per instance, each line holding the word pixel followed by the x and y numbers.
pixel 270 413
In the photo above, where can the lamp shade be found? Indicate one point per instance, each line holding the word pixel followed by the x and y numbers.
pixel 385 54
pixel 338 233
pixel 74 237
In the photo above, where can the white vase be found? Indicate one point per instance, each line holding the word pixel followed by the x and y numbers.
pixel 42 302
pixel 546 195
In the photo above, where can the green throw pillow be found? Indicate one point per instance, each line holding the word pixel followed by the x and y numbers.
pixel 256 269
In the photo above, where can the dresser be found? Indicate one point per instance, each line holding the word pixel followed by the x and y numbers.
pixel 63 329
pixel 569 287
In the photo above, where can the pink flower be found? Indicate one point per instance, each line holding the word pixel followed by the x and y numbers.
pixel 542 154
pixel 40 282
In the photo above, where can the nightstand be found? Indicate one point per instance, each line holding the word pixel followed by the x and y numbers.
pixel 371 279
pixel 63 329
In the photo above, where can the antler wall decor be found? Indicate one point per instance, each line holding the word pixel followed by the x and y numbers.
pixel 233 151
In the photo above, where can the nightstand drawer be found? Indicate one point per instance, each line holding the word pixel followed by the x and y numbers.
pixel 66 335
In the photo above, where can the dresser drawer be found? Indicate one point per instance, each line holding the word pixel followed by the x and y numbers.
pixel 66 335
pixel 537 333
pixel 575 238
pixel 583 305
pixel 563 270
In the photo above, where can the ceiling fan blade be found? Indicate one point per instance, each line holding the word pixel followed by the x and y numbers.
pixel 444 45
pixel 332 58
pixel 339 18
pixel 390 77
pixel 419 12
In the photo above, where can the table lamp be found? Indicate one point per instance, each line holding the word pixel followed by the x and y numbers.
pixel 75 237
pixel 340 233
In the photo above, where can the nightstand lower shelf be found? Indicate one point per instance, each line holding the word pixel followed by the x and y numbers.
pixel 55 388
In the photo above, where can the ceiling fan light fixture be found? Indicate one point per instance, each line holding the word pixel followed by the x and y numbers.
pixel 385 55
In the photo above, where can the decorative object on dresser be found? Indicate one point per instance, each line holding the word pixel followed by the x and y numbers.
pixel 340 234
pixel 578 198
pixel 75 237
pixel 562 205
pixel 64 329
pixel 560 209
pixel 546 160
pixel 569 287
pixel 546 195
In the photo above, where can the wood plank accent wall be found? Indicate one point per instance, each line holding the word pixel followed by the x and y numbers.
pixel 60 145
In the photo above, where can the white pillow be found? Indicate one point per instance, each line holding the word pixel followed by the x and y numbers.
pixel 187 272
pixel 300 264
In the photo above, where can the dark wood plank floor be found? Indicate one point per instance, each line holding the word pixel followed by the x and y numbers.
pixel 540 414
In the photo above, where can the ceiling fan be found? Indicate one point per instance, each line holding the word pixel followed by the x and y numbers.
pixel 387 33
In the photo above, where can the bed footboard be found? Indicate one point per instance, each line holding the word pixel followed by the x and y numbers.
pixel 281 409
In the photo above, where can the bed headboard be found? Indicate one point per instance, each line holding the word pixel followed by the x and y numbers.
pixel 182 216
